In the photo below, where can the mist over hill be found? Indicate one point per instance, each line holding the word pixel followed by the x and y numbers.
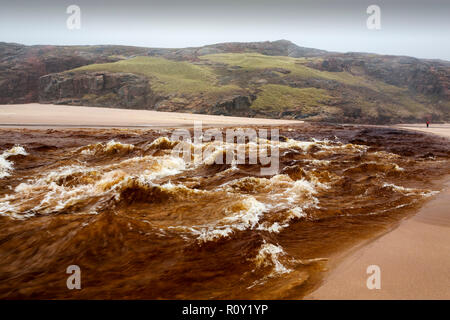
pixel 257 79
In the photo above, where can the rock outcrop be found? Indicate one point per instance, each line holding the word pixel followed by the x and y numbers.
pixel 234 106
pixel 22 66
pixel 99 89
pixel 429 77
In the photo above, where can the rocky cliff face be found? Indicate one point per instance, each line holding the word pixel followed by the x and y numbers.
pixel 22 66
pixel 321 86
pixel 100 89
pixel 234 106
pixel 427 77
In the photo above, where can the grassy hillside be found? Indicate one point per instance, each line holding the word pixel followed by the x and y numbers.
pixel 274 86
pixel 168 76
pixel 296 66
pixel 279 98
pixel 263 79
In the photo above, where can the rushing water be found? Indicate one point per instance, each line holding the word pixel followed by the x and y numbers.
pixel 141 222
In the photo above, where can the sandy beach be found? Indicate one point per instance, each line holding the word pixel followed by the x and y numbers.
pixel 48 115
pixel 439 129
pixel 414 258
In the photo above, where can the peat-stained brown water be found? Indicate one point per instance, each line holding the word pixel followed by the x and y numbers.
pixel 143 223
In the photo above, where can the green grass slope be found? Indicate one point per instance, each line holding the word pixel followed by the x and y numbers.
pixel 169 77
pixel 277 86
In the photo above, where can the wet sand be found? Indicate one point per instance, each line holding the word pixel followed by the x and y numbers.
pixel 48 115
pixel 414 258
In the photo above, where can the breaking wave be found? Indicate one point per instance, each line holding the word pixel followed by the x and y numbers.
pixel 6 166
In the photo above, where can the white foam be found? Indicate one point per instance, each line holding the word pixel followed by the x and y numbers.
pixel 398 168
pixel 159 141
pixel 6 166
pixel 59 197
pixel 291 195
pixel 269 255
pixel 276 227
pixel 394 187
pixel 247 218
pixel 168 166
pixel 6 207
pixel 110 146
pixel 410 191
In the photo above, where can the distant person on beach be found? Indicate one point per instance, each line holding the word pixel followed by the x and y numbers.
pixel 428 123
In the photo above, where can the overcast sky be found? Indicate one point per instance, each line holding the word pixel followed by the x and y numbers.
pixel 408 27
